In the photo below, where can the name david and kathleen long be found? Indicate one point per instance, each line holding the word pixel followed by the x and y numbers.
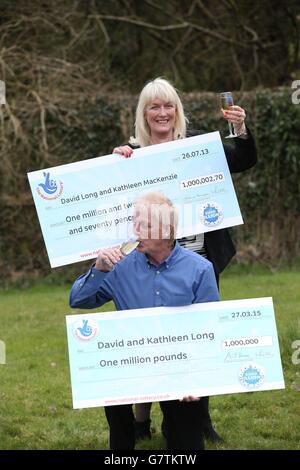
pixel 152 340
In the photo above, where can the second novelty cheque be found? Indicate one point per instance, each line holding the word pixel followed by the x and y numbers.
pixel 88 205
pixel 167 353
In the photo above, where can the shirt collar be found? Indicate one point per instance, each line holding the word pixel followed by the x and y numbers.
pixel 168 262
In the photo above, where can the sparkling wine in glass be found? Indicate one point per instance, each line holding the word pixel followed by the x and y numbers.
pixel 128 246
pixel 226 102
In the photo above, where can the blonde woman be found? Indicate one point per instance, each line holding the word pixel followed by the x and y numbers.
pixel 160 118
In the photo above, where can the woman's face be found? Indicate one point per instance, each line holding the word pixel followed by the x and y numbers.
pixel 160 116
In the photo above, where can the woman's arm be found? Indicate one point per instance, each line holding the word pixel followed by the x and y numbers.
pixel 243 155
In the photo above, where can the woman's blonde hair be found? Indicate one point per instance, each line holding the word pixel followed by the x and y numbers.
pixel 159 88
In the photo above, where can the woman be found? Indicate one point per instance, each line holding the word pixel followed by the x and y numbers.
pixel 160 118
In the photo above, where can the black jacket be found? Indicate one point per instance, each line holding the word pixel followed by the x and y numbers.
pixel 218 244
pixel 240 157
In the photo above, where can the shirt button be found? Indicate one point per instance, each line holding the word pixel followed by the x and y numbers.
pixel 81 285
pixel 167 266
pixel 157 292
pixel 157 272
pixel 93 275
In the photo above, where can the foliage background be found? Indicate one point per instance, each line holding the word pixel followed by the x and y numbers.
pixel 73 70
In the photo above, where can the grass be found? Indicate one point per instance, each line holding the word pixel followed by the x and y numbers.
pixel 35 396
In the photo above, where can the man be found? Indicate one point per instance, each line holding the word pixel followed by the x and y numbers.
pixel 157 273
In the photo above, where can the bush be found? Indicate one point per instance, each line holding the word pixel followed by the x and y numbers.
pixel 51 130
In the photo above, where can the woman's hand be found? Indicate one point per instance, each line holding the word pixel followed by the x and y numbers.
pixel 124 150
pixel 236 115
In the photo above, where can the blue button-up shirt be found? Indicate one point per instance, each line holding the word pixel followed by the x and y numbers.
pixel 184 278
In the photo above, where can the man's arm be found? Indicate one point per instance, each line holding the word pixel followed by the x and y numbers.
pixel 90 290
pixel 93 289
pixel 207 289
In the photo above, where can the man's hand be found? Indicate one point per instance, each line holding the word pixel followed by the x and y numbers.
pixel 124 150
pixel 107 258
pixel 190 398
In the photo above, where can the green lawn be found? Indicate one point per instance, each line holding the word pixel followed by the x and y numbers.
pixel 35 396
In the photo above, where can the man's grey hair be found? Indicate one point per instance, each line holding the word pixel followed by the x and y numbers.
pixel 156 208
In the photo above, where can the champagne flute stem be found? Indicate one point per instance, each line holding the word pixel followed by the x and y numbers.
pixel 231 129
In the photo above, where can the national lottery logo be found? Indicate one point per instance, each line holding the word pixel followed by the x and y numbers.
pixel 251 376
pixel 49 189
pixel 211 214
pixel 85 330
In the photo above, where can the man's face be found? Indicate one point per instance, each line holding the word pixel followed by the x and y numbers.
pixel 148 229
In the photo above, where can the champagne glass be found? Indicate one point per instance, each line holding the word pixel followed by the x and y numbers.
pixel 227 101
pixel 128 246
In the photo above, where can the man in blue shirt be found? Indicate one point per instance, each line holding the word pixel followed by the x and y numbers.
pixel 159 272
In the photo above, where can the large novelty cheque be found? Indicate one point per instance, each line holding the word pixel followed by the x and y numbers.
pixel 85 206
pixel 166 353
